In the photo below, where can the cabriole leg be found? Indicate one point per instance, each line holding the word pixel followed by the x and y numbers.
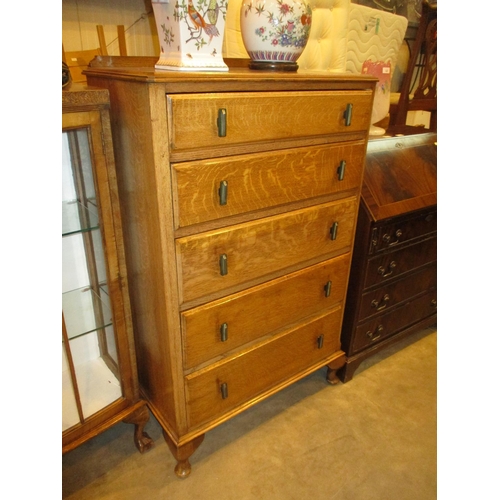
pixel 333 367
pixel 140 418
pixel 182 454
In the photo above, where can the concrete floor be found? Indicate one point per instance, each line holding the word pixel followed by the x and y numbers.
pixel 373 438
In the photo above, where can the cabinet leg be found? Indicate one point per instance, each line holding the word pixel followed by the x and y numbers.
pixel 182 454
pixel 333 367
pixel 347 371
pixel 140 418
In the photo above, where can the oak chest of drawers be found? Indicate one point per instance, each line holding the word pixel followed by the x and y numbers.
pixel 393 281
pixel 240 192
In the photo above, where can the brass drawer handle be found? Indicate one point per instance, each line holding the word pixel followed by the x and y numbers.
pixel 381 270
pixel 379 306
pixel 348 115
pixel 222 122
pixel 223 332
pixel 341 170
pixel 223 264
pixel 333 231
pixel 223 390
pixel 375 335
pixel 387 237
pixel 223 193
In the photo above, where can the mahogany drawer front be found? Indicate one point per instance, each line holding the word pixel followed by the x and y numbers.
pixel 395 233
pixel 392 322
pixel 261 368
pixel 216 260
pixel 393 293
pixel 210 189
pixel 226 324
pixel 392 264
pixel 199 121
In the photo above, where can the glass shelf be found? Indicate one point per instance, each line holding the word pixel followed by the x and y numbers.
pixel 73 216
pixel 82 308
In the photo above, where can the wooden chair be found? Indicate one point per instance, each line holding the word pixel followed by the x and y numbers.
pixel 121 40
pixel 422 73
pixel 77 61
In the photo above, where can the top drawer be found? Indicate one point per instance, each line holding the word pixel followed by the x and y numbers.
pixel 222 119
pixel 398 231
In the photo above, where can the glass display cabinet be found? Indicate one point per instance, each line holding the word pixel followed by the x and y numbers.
pixel 99 373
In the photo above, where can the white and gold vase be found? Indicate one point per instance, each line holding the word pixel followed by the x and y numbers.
pixel 190 33
pixel 275 32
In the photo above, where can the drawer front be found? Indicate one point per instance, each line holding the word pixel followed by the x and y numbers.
pixel 224 119
pixel 397 232
pixel 227 257
pixel 226 324
pixel 392 264
pixel 262 368
pixel 393 322
pixel 393 293
pixel 207 190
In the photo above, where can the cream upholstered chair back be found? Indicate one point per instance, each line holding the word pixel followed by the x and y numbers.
pixel 326 48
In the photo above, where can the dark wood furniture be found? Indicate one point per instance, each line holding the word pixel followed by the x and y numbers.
pixel 393 282
pixel 240 192
pixel 100 386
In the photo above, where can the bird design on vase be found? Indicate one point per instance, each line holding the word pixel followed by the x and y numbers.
pixel 208 27
pixel 213 11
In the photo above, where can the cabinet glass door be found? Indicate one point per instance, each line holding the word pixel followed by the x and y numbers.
pixel 90 376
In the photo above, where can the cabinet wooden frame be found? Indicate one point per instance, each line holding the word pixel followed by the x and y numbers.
pixel 87 109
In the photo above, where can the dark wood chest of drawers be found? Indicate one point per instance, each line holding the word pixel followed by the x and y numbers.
pixel 392 288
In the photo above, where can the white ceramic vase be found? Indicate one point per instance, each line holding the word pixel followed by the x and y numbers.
pixel 275 32
pixel 190 34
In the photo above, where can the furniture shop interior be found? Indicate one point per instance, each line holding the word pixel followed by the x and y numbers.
pixel 156 338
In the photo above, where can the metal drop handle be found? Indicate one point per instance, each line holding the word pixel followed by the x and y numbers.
pixel 387 237
pixel 223 390
pixel 223 193
pixel 320 341
pixel 222 122
pixel 223 332
pixel 348 115
pixel 333 231
pixel 379 306
pixel 375 335
pixel 223 264
pixel 341 170
pixel 381 270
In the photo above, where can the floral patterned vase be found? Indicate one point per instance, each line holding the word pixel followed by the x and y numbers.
pixel 190 33
pixel 275 32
